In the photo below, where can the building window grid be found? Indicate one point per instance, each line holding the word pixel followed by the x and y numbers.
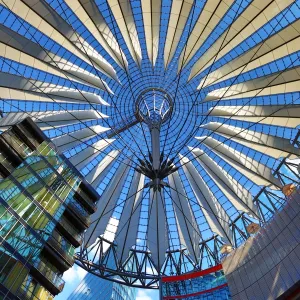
pixel 92 287
pixel 22 289
pixel 194 285
pixel 17 236
pixel 31 201
pixel 64 184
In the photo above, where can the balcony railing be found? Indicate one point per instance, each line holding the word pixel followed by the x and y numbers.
pixel 6 163
pixel 58 247
pixel 91 205
pixel 51 276
pixel 71 231
pixel 16 143
pixel 80 212
pixel 24 294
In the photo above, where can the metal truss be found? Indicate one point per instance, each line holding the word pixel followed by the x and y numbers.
pixel 139 270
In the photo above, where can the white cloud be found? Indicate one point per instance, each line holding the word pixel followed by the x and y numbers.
pixel 143 294
pixel 74 274
pixel 151 271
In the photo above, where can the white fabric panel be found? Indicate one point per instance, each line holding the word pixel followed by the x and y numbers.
pixel 82 158
pixel 241 29
pixel 49 119
pixel 21 57
pixel 70 140
pixel 288 87
pixel 98 173
pixel 279 115
pixel 59 25
pixel 213 211
pixel 83 74
pixel 107 202
pixel 255 171
pixel 211 14
pixel 280 52
pixel 42 17
pixel 35 56
pixel 62 66
pixel 188 230
pixel 151 17
pixel 129 222
pixel 88 23
pixel 157 233
pixel 121 10
pixel 108 40
pixel 238 195
pixel 179 14
pixel 156 12
pixel 71 95
pixel 256 84
pixel 263 51
pixel 7 93
pixel 267 144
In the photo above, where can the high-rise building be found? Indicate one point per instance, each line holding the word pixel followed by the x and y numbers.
pixel 45 207
pixel 94 288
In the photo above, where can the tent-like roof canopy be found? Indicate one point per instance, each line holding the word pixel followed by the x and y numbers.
pixel 208 91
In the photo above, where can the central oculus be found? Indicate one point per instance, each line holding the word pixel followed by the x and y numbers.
pixel 154 106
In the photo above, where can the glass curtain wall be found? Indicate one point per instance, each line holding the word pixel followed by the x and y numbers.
pixel 33 199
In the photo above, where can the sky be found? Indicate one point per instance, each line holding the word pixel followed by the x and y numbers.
pixel 73 276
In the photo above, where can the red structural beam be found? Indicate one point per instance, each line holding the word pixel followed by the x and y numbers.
pixel 192 274
pixel 195 294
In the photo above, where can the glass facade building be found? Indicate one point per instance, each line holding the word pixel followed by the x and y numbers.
pixel 93 287
pixel 44 208
pixel 267 266
pixel 209 284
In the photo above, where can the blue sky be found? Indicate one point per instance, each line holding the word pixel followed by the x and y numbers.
pixel 72 278
pixel 74 275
